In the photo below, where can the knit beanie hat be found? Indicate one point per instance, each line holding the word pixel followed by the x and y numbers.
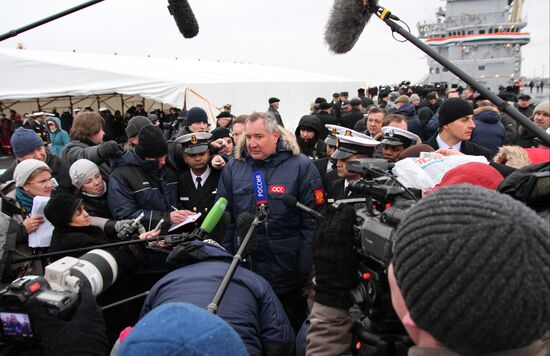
pixel 24 169
pixel 196 115
pixel 543 107
pixel 402 99
pixel 81 170
pixel 476 173
pixel 60 209
pixel 24 141
pixel 135 125
pixel 453 109
pixel 151 143
pixel 181 329
pixel 472 266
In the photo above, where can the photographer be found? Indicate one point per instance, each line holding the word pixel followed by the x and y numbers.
pixel 469 275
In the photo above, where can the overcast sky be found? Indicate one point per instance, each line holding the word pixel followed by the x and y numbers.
pixel 280 33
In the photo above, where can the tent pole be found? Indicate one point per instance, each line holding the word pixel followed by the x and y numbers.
pixel 71 104
pixel 38 104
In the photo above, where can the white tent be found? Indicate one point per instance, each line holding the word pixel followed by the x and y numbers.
pixel 26 74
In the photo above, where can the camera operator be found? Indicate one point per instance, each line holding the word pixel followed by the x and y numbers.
pixel 469 275
pixel 83 333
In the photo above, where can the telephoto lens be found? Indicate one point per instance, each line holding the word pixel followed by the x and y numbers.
pixel 98 267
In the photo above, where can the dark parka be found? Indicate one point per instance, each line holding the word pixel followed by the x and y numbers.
pixel 137 186
pixel 284 254
pixel 250 306
pixel 413 122
pixel 489 131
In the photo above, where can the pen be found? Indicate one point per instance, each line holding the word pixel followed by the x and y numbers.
pixel 173 207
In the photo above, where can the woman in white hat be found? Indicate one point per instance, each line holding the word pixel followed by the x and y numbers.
pixel 86 177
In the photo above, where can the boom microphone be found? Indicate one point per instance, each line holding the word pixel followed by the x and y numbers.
pixel 183 15
pixel 291 202
pixel 345 24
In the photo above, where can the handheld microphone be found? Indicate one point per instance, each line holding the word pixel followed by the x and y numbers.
pixel 347 20
pixel 243 223
pixel 291 202
pixel 183 15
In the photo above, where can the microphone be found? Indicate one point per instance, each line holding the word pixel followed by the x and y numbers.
pixel 243 223
pixel 214 216
pixel 291 202
pixel 347 20
pixel 183 15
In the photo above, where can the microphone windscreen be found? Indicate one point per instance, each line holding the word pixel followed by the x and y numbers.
pixel 347 20
pixel 289 201
pixel 243 223
pixel 214 216
pixel 183 15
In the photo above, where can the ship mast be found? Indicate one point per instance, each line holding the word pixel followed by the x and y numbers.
pixel 515 15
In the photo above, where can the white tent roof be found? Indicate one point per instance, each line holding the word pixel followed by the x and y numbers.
pixel 26 74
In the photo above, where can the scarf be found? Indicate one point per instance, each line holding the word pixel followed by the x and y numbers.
pixel 25 200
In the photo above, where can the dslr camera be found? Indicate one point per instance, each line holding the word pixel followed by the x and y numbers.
pixel 57 291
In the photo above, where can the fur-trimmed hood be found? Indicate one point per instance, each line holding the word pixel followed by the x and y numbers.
pixel 287 142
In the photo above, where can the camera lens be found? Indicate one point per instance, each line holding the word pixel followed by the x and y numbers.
pixel 98 267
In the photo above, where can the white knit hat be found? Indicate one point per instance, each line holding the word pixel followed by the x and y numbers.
pixel 24 170
pixel 81 170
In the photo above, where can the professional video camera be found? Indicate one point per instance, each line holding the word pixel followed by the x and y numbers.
pixel 57 291
pixel 384 204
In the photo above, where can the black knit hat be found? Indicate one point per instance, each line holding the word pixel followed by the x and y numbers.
pixel 60 209
pixel 472 266
pixel 151 143
pixel 220 132
pixel 453 109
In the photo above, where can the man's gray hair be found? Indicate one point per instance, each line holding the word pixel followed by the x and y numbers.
pixel 270 122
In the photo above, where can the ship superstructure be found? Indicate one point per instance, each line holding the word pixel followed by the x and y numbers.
pixel 482 37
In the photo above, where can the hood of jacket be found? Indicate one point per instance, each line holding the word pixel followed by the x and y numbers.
pixel 487 114
pixel 286 145
pixel 309 122
pixel 57 122
pixel 406 110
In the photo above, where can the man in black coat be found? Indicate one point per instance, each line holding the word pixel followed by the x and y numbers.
pixel 456 125
pixel 326 118
pixel 350 118
pixel 197 187
pixel 274 110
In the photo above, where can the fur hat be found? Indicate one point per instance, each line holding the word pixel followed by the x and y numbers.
pixel 24 169
pixel 472 266
pixel 60 209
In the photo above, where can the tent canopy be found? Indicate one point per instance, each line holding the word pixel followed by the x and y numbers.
pixel 26 74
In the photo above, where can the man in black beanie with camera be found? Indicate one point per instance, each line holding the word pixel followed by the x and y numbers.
pixel 470 274
pixel 456 125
